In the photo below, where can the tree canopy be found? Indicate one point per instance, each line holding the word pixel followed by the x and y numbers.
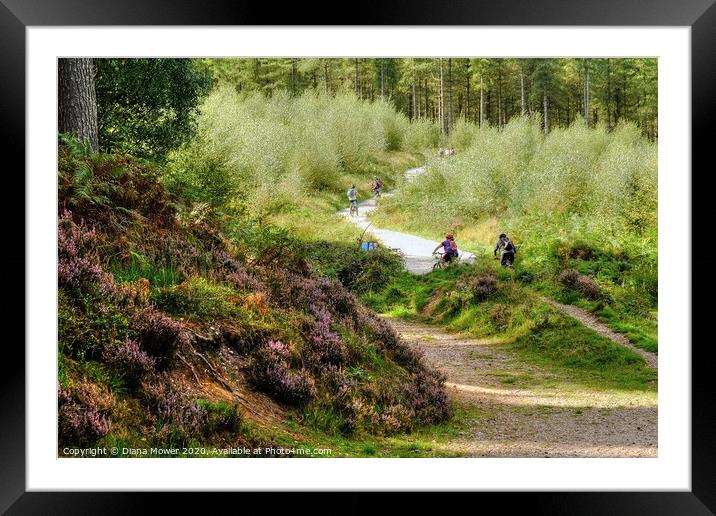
pixel 489 89
pixel 146 106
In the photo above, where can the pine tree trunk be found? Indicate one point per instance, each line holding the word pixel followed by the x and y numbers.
pixel 382 81
pixel 467 98
pixel 357 83
pixel 415 101
pixel 325 73
pixel 482 103
pixel 77 100
pixel 523 105
pixel 441 108
pixel 293 76
pixel 449 93
pixel 499 98
pixel 586 93
pixel 546 112
pixel 609 96
pixel 427 96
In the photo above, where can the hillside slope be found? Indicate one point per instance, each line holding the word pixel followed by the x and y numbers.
pixel 173 335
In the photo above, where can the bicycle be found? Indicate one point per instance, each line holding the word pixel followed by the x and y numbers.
pixel 354 209
pixel 440 263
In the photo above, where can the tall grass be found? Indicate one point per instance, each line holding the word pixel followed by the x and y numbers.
pixel 271 151
pixel 515 171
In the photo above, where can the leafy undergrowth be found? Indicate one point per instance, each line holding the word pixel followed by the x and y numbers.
pixel 488 302
pixel 181 329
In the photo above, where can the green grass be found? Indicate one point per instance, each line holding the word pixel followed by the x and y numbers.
pixel 628 280
pixel 139 266
pixel 515 317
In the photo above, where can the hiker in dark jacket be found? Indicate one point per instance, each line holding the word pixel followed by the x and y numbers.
pixel 507 250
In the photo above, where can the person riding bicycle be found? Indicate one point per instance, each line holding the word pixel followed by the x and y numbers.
pixel 353 197
pixel 376 186
pixel 507 250
pixel 449 248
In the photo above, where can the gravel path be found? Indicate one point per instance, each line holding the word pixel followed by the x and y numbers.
pixel 590 321
pixel 517 410
pixel 416 250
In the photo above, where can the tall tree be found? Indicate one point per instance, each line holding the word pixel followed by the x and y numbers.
pixel 586 92
pixel 442 101
pixel 147 106
pixel 546 83
pixel 523 99
pixel 449 101
pixel 482 102
pixel 77 100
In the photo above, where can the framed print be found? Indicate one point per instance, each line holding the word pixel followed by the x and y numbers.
pixel 436 248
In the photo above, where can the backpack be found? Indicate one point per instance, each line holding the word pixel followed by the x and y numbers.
pixel 452 248
pixel 508 246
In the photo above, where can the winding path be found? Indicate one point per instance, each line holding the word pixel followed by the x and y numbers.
pixel 513 409
pixel 419 260
pixel 416 250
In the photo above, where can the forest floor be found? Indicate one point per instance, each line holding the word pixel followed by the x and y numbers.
pixel 510 408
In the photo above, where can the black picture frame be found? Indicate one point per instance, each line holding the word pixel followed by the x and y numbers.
pixel 16 15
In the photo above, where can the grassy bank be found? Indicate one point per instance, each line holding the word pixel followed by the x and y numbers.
pixel 196 328
pixel 489 303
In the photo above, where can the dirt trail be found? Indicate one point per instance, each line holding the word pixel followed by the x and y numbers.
pixel 523 411
pixel 590 321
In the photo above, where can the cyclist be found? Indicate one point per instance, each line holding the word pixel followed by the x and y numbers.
pixel 353 198
pixel 449 246
pixel 507 250
pixel 377 186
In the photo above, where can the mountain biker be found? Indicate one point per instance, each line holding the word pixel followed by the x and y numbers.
pixel 376 186
pixel 507 250
pixel 449 248
pixel 352 197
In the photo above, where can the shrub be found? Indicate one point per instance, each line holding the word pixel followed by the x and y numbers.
pixel 198 172
pixel 324 346
pixel 500 316
pixel 77 267
pixel 395 418
pixel 82 418
pixel 427 397
pixel 197 298
pixel 369 272
pixel 585 285
pixel 569 278
pixel 220 415
pixel 177 415
pixel 264 150
pixel 484 285
pixel 159 333
pixel 130 360
pixel 270 371
pixel 86 325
